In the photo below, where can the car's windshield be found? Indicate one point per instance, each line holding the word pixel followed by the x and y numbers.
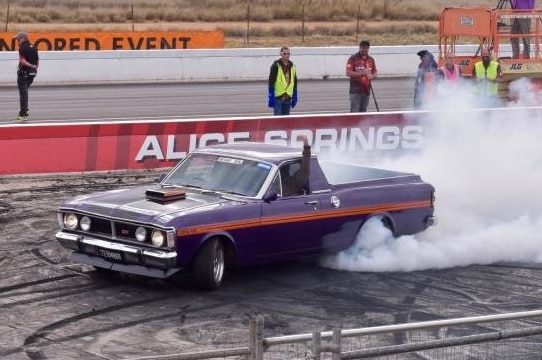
pixel 220 173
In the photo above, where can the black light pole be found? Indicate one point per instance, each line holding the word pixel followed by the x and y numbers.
pixel 7 17
pixel 357 22
pixel 248 22
pixel 133 18
pixel 303 25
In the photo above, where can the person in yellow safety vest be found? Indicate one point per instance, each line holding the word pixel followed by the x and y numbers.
pixel 486 74
pixel 282 93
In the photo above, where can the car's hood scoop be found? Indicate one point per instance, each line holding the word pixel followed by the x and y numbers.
pixel 164 196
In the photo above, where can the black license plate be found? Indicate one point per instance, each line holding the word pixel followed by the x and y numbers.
pixel 111 255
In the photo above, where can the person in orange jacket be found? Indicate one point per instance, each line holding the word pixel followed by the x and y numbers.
pixel 425 75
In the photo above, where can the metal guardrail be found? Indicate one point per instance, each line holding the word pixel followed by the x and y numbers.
pixel 212 354
pixel 438 344
pixel 312 345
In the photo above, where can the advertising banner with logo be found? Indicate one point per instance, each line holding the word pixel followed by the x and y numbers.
pixel 135 40
pixel 96 146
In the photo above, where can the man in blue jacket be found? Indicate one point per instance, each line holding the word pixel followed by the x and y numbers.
pixel 425 75
pixel 282 84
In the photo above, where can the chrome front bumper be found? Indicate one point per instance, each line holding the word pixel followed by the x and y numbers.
pixel 160 263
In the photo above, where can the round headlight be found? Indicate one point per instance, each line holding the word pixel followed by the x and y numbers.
pixel 158 239
pixel 71 221
pixel 141 234
pixel 85 223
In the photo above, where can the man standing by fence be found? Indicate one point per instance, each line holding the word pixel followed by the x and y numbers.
pixel 282 84
pixel 361 69
pixel 521 27
pixel 487 73
pixel 449 73
pixel 26 71
pixel 425 76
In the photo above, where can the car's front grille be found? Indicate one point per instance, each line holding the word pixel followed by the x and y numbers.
pixel 115 230
pixel 101 226
pixel 125 231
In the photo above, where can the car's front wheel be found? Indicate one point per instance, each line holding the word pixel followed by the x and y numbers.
pixel 209 265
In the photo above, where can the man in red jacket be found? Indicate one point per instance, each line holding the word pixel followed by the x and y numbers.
pixel 361 69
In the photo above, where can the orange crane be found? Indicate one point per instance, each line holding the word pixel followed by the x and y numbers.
pixel 492 29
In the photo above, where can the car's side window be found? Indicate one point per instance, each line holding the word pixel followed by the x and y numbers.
pixel 275 185
pixel 293 179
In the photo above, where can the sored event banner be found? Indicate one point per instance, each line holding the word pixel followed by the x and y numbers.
pixel 135 40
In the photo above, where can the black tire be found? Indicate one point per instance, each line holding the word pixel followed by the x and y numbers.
pixel 209 265
pixel 384 220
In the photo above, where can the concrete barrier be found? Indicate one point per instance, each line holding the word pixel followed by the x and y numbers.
pixel 71 67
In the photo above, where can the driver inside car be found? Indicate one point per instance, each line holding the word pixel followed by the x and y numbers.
pixel 295 176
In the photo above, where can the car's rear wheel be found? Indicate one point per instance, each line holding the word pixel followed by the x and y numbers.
pixel 209 265
pixel 371 224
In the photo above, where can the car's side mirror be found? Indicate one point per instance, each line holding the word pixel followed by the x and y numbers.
pixel 160 177
pixel 271 195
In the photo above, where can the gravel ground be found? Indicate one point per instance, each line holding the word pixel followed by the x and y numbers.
pixel 54 309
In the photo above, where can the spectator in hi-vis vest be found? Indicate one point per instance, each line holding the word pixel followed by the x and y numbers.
pixel 486 73
pixel 449 73
pixel 282 84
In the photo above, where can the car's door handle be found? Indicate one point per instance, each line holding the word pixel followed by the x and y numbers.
pixel 314 202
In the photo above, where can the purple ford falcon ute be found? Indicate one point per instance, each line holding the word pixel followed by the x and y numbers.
pixel 239 204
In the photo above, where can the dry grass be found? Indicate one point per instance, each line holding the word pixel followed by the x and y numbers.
pixel 270 22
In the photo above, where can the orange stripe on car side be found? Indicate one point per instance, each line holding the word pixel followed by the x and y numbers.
pixel 318 215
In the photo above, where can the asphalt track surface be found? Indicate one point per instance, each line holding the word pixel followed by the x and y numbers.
pixel 189 100
pixel 52 308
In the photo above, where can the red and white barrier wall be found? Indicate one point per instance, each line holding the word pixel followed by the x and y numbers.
pixel 101 146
